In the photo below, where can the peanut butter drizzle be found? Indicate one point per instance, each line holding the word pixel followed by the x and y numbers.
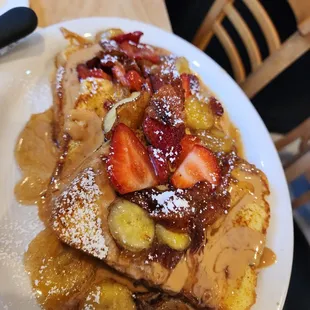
pixel 231 247
pixel 268 258
pixel 70 82
pixel 85 130
pixel 35 153
pixel 67 86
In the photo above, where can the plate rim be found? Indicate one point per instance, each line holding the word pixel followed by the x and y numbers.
pixel 112 20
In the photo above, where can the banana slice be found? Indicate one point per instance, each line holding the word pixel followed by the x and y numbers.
pixel 176 241
pixel 58 273
pixel 109 296
pixel 131 226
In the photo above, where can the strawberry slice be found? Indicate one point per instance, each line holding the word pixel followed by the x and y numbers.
pixel 157 82
pixel 138 52
pixel 128 164
pixel 160 164
pixel 130 36
pixel 84 72
pixel 168 105
pixel 119 73
pixel 135 80
pixel 147 86
pixel 190 84
pixel 199 165
pixel 162 136
pixel 187 144
pixel 216 107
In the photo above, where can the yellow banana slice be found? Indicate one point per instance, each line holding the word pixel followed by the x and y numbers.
pixel 131 226
pixel 109 296
pixel 176 241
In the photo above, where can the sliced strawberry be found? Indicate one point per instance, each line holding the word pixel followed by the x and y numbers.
pixel 160 164
pixel 187 144
pixel 199 165
pixel 168 105
pixel 131 36
pixel 185 84
pixel 99 73
pixel 157 82
pixel 147 52
pixel 135 80
pixel 190 84
pixel 216 107
pixel 138 52
pixel 128 164
pixel 84 72
pixel 147 86
pixel 162 136
pixel 119 74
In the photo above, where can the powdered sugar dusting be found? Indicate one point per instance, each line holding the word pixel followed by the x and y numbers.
pixel 169 67
pixel 59 76
pixel 94 297
pixel 89 86
pixel 76 215
pixel 169 203
pixel 158 154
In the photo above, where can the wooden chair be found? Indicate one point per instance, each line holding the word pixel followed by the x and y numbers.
pixel 280 55
pixel 300 162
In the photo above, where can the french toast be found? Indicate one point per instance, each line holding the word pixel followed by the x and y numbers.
pixel 149 179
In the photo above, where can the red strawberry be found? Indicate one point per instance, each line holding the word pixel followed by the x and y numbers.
pixel 84 72
pixel 187 144
pixel 135 80
pixel 160 164
pixel 168 105
pixel 190 84
pixel 162 136
pixel 147 52
pixel 157 82
pixel 99 73
pixel 147 86
pixel 138 52
pixel 199 165
pixel 119 74
pixel 128 164
pixel 131 36
pixel 216 107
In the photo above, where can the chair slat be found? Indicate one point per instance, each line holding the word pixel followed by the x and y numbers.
pixel 303 199
pixel 300 164
pixel 265 23
pixel 231 51
pixel 294 47
pixel 205 31
pixel 245 34
pixel 300 131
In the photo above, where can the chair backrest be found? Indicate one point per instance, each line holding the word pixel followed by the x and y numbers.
pixel 280 55
pixel 300 163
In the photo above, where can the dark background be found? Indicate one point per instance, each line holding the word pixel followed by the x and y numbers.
pixel 283 104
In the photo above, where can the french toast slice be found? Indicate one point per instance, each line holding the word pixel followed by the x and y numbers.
pixel 221 275
pixel 80 219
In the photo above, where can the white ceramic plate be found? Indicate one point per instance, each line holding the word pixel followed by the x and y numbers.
pixel 24 89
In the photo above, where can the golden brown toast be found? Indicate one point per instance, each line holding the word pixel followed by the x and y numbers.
pixel 80 215
pixel 221 275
